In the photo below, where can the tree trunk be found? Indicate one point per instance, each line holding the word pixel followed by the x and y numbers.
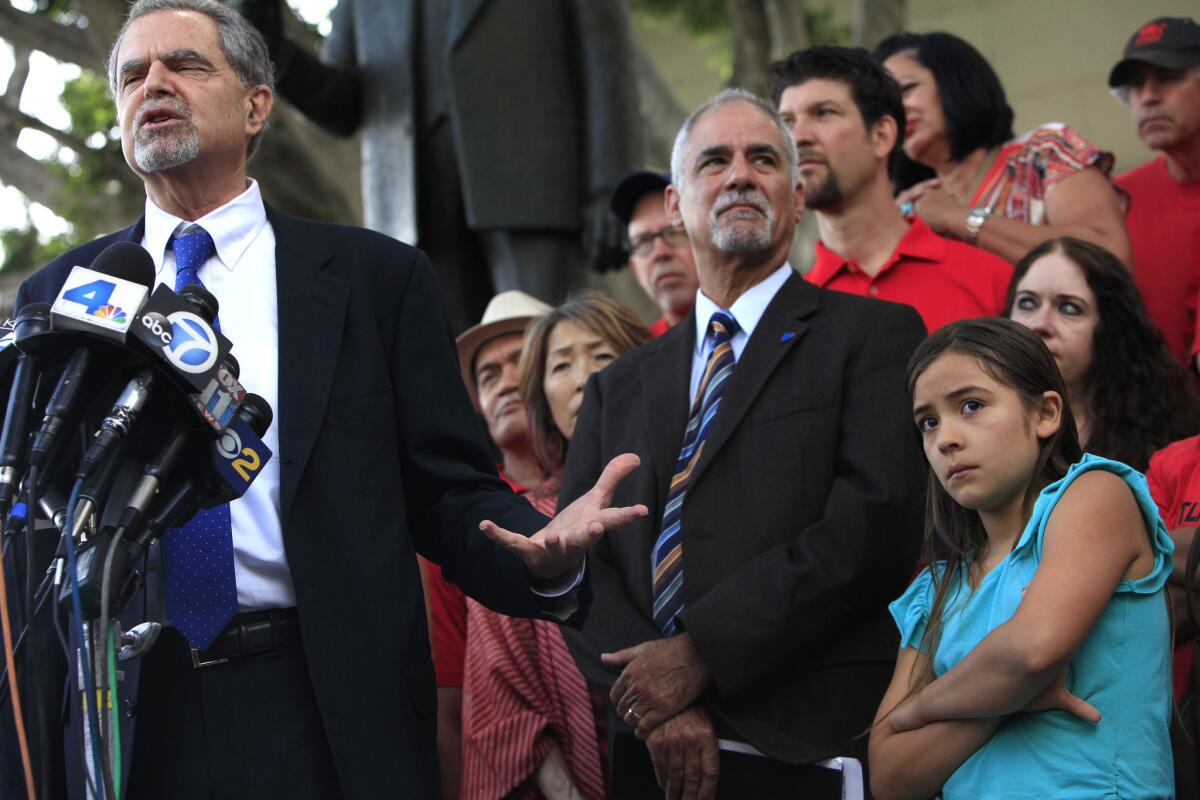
pixel 875 20
pixel 751 45
pixel 788 29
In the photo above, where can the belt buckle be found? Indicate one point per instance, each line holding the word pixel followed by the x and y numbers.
pixel 200 663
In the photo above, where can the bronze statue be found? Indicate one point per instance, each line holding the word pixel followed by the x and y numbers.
pixel 494 130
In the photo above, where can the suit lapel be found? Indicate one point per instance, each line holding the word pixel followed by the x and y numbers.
pixel 312 312
pixel 781 327
pixel 462 15
pixel 666 377
pixel 135 232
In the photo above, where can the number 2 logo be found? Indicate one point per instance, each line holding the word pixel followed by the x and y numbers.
pixel 246 466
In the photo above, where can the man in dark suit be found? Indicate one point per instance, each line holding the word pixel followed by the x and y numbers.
pixel 785 490
pixel 320 684
pixel 493 130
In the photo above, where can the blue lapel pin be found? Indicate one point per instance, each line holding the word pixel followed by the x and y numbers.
pixel 787 337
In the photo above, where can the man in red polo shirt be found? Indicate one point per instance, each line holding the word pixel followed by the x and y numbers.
pixel 1158 80
pixel 660 254
pixel 847 117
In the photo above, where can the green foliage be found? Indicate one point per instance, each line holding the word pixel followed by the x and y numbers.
pixel 706 18
pixel 700 17
pixel 89 105
pixel 24 251
pixel 708 21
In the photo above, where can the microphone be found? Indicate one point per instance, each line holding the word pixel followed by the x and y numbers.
pixel 133 399
pixel 178 329
pixel 33 319
pixel 104 298
pixel 240 454
pixel 122 271
pixel 242 441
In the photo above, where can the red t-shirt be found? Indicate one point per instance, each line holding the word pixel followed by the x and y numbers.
pixel 659 327
pixel 447 607
pixel 944 280
pixel 1163 220
pixel 1174 478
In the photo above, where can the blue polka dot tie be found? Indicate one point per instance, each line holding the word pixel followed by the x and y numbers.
pixel 201 592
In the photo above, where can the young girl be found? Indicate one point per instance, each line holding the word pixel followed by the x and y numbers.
pixel 1034 656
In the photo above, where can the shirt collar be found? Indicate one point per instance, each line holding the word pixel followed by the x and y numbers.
pixel 233 227
pixel 919 243
pixel 747 309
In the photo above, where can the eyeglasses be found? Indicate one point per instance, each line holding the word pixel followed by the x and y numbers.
pixel 643 245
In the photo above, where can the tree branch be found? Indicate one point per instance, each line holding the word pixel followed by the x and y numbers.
pixel 16 80
pixel 16 120
pixel 39 32
pixel 29 175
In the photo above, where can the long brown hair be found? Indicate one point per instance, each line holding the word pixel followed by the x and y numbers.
pixel 1014 356
pixel 608 319
pixel 1139 396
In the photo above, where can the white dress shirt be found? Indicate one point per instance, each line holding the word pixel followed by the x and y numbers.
pixel 747 310
pixel 242 277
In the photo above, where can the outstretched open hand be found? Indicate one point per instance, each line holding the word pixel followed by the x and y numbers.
pixel 559 547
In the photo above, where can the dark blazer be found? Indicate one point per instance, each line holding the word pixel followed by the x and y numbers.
pixel 542 93
pixel 802 522
pixel 381 456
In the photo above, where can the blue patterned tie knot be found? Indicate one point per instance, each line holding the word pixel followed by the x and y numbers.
pixel 193 246
pixel 666 559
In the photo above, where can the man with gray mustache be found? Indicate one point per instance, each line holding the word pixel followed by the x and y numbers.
pixel 1158 80
pixel 740 630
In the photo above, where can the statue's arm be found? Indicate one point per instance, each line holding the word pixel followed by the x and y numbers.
pixel 328 92
pixel 613 124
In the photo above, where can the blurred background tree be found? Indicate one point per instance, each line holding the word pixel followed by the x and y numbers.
pixel 79 176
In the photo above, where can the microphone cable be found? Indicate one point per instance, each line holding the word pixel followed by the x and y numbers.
pixel 14 687
pixel 90 696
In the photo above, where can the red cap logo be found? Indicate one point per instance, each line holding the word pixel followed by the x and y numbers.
pixel 1150 33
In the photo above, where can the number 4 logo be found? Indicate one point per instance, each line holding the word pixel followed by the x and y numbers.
pixel 91 295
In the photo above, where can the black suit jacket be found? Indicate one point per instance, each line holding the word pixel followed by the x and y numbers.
pixel 381 456
pixel 803 519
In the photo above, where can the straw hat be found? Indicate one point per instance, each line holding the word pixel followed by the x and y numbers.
pixel 508 312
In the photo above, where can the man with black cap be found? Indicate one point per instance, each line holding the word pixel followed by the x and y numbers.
pixel 1158 80
pixel 660 254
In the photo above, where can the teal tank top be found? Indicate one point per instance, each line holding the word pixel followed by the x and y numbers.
pixel 1123 669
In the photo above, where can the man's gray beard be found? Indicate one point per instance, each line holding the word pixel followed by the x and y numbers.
pixel 156 152
pixel 826 194
pixel 738 238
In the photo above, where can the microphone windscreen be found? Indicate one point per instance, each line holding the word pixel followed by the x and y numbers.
pixel 127 261
pixel 202 301
pixel 34 309
pixel 257 412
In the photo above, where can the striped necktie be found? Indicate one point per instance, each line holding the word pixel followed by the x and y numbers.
pixel 198 571
pixel 666 560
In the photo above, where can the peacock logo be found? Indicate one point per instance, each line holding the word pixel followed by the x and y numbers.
pixel 113 313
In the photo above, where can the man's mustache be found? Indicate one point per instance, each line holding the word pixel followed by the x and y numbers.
pixel 753 197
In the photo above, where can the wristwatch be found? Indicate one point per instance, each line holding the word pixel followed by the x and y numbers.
pixel 975 219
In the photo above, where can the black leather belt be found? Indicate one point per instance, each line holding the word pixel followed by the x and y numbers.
pixel 250 633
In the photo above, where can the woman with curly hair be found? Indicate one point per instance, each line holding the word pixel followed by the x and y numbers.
pixel 1129 395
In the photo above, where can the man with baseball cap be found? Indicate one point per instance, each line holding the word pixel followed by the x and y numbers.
pixel 659 253
pixel 1158 80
